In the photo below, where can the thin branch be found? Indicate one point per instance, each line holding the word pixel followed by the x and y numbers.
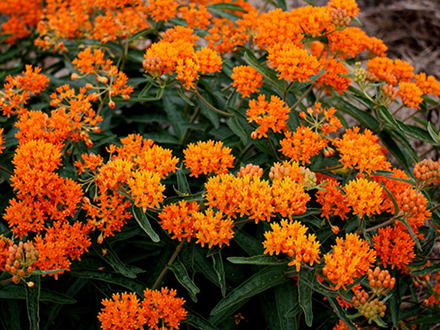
pixel 170 262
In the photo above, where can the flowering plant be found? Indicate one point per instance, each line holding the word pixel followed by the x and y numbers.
pixel 171 162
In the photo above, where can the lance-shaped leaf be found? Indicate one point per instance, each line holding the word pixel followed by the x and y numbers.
pixel 143 222
pixel 259 282
pixel 263 259
pixel 220 271
pixel 33 303
pixel 182 276
pixel 305 292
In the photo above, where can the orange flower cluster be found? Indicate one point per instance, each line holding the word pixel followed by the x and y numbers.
pixel 349 259
pixel 268 115
pixel 291 238
pixel 334 75
pixel 302 144
pixel 210 228
pixel 413 206
pixel 126 312
pixel 292 62
pixel 162 9
pixel 254 197
pixel 350 6
pixel 18 89
pixel 2 141
pixel 364 196
pixel 137 169
pixel 428 84
pixel 332 199
pixel 178 219
pixel 394 247
pixel 104 72
pixel 195 17
pixel 42 194
pixel 327 124
pixel 208 157
pixel 247 80
pixel 391 71
pixel 361 151
pixel 224 36
pixel 180 33
pixel 410 94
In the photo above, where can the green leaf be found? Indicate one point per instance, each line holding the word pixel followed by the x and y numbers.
pixel 433 133
pixel 183 96
pixel 248 243
pixel 33 303
pixel 175 116
pixel 416 132
pixel 235 127
pixel 10 316
pixel 141 34
pixel 143 222
pixel 385 114
pixel 427 270
pixel 220 271
pixel 128 283
pixel 411 232
pixel 396 207
pixel 226 6
pixel 394 149
pixel 112 259
pixel 14 291
pixel 182 276
pixel 222 13
pixel 202 265
pixel 282 4
pixel 269 75
pixel 182 182
pixel 208 112
pixel 197 321
pixel 190 198
pixel 340 312
pixel 286 298
pixel 259 282
pixel 263 259
pixel 432 319
pixel 46 272
pixel 363 117
pixel 395 299
pixel 305 294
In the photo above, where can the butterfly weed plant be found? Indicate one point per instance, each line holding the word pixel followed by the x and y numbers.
pixel 210 165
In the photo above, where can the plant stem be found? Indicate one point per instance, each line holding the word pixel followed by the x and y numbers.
pixel 141 17
pixel 302 97
pixel 210 105
pixel 6 170
pixel 192 120
pixel 383 224
pixel 170 262
pixel 411 115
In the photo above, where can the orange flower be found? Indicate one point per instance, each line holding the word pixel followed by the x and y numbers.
pixel 361 151
pixel 364 196
pixel 291 238
pixel 428 84
pixel 273 115
pixel 88 63
pixel 394 247
pixel 348 42
pixel 180 33
pixel 410 94
pixel 302 144
pixel 186 70
pixel 313 20
pixel 349 5
pixel 248 195
pixel 109 215
pixel 382 68
pixel 342 326
pixel 177 219
pixel 207 157
pixel 225 36
pixel 211 228
pixel 91 162
pixel 162 9
pixel 277 27
pixel 208 60
pixel 195 17
pixel 289 197
pixel 123 312
pixel 163 306
pixel 333 75
pixel 349 259
pixel 2 141
pixel 247 80
pixel 146 189
pixel 333 201
pixel 292 63
pixel 414 207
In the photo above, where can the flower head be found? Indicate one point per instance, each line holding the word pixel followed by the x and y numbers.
pixel 291 238
pixel 365 197
pixel 247 80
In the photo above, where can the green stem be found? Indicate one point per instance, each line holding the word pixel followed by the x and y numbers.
pixel 302 97
pixel 210 105
pixel 6 170
pixel 411 115
pixel 187 131
pixel 383 224
pixel 170 262
pixel 398 109
pixel 263 7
